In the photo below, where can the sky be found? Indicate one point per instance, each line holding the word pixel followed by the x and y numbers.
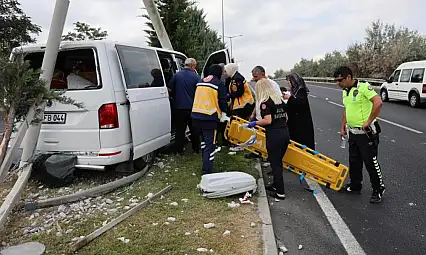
pixel 276 33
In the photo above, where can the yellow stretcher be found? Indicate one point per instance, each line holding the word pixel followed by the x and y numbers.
pixel 299 159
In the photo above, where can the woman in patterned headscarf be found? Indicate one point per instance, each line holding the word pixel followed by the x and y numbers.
pixel 299 123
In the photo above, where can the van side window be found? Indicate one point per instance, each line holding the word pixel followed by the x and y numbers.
pixel 167 65
pixel 417 76
pixel 405 75
pixel 395 77
pixel 140 67
pixel 181 61
pixel 75 69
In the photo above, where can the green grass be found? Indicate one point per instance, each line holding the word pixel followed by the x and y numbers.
pixel 183 173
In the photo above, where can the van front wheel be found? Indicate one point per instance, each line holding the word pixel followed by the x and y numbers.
pixel 414 99
pixel 384 95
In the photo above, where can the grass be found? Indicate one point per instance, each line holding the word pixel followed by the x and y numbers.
pixel 146 237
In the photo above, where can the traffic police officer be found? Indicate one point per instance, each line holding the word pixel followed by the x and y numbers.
pixel 208 108
pixel 362 106
pixel 274 119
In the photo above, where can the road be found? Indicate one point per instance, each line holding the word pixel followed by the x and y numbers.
pixel 397 225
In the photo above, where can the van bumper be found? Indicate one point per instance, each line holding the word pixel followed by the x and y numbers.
pixel 106 157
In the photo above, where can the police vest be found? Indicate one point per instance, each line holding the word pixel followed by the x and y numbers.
pixel 246 98
pixel 206 99
pixel 357 103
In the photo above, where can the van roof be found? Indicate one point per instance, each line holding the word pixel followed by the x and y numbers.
pixel 88 43
pixel 420 63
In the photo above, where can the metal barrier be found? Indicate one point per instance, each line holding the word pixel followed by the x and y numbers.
pixel 330 80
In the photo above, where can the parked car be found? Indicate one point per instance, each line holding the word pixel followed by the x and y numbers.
pixel 407 83
pixel 127 111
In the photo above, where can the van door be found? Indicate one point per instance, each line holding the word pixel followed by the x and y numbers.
pixel 404 84
pixel 392 87
pixel 148 99
pixel 218 57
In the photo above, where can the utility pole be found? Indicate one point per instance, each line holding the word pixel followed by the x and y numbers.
pixel 223 25
pixel 230 39
pixel 158 24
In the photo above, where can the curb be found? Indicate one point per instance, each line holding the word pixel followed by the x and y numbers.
pixel 268 236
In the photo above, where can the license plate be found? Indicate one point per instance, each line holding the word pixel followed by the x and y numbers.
pixel 54 118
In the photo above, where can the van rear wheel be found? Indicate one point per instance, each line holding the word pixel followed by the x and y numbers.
pixel 142 162
pixel 414 99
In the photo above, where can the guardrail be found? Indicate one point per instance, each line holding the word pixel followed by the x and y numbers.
pixel 330 80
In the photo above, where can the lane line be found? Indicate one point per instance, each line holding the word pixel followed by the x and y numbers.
pixel 310 85
pixel 388 121
pixel 339 226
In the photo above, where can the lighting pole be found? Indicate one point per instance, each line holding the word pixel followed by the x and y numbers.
pixel 230 39
pixel 223 25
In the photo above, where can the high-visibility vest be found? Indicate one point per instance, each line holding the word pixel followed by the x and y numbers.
pixel 246 98
pixel 206 100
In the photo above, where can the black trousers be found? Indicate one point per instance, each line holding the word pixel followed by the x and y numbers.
pixel 363 149
pixel 277 141
pixel 182 120
pixel 208 133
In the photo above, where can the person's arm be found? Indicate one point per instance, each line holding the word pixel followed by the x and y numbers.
pixel 267 120
pixel 239 90
pixel 368 91
pixel 343 126
pixel 172 85
pixel 222 98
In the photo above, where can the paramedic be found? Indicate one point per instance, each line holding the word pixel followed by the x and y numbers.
pixel 362 106
pixel 182 87
pixel 239 93
pixel 273 113
pixel 209 107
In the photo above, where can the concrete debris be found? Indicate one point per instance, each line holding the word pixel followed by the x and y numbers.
pixel 124 240
pixel 233 204
pixel 109 201
pixel 174 204
pixel 149 195
pixel 209 225
pixel 62 208
pixel 300 247
pixel 187 233
pixel 155 224
pixel 166 223
pixel 411 204
pixel 232 153
pixel 226 233
pixel 252 224
pixel 185 200
pixel 204 250
pixel 171 219
pixel 160 165
pixel 283 249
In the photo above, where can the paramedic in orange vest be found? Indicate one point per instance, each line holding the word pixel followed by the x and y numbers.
pixel 242 101
pixel 208 109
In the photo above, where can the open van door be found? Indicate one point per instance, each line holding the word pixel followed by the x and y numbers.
pixel 221 56
pixel 148 99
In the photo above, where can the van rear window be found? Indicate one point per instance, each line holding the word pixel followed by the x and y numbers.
pixel 74 70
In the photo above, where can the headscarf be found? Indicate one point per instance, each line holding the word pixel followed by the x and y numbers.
pixel 231 69
pixel 216 70
pixel 297 83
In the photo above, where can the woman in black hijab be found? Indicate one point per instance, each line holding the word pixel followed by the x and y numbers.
pixel 299 122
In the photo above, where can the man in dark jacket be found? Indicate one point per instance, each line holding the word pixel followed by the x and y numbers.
pixel 182 88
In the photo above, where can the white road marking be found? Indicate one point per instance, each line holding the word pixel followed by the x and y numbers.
pixel 388 121
pixel 313 96
pixel 310 85
pixel 346 237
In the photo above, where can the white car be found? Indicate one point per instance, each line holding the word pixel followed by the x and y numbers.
pixel 127 111
pixel 407 83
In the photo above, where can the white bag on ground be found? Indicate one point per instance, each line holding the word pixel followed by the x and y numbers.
pixel 227 184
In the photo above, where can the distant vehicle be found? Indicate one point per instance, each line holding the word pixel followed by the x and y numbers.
pixel 127 112
pixel 407 83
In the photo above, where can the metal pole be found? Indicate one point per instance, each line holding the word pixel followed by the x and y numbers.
pixel 158 24
pixel 232 55
pixel 223 25
pixel 48 65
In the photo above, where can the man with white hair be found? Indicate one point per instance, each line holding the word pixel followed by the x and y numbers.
pixel 182 88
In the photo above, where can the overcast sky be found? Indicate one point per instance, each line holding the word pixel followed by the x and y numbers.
pixel 276 33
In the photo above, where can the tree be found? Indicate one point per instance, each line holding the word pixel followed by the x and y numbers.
pixel 16 28
pixel 83 31
pixel 280 73
pixel 21 88
pixel 187 29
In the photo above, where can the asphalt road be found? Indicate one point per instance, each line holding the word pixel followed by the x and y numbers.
pixel 397 225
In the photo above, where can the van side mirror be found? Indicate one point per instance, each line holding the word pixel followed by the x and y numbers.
pixel 388 80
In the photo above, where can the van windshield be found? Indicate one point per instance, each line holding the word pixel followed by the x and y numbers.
pixel 74 70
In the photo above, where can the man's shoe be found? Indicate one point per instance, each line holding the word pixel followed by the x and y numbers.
pixel 270 187
pixel 276 195
pixel 377 195
pixel 348 189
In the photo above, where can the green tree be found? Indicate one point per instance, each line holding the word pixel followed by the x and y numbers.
pixel 280 73
pixel 16 28
pixel 187 29
pixel 84 31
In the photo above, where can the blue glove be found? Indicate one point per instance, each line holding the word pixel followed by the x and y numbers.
pixel 251 124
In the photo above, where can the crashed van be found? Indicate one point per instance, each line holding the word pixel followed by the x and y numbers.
pixel 127 110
